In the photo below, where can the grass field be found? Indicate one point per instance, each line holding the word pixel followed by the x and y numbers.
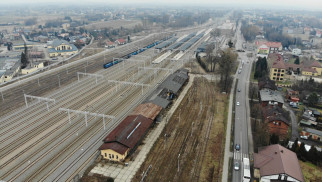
pixel 311 172
pixel 196 131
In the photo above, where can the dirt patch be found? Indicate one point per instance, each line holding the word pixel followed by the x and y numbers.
pixel 196 132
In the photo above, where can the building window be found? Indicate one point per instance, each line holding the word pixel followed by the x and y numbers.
pixel 273 78
pixel 283 71
pixel 117 157
pixel 274 74
pixel 105 154
pixel 113 156
pixel 282 74
pixel 275 70
pixel 279 70
pixel 281 78
pixel 279 123
pixel 109 156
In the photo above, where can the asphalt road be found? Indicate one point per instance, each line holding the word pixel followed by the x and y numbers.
pixel 241 127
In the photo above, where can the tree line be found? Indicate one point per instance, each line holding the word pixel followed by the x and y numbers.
pixel 313 155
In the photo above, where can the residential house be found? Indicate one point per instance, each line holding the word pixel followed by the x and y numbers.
pixel 277 163
pixel 274 47
pixel 266 83
pixel 271 98
pixel 309 72
pixel 110 44
pixel 120 41
pixel 61 48
pixel 276 66
pixel 275 117
pixel 312 134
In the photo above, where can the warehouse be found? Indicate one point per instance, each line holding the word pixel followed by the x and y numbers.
pixel 169 88
pixel 123 140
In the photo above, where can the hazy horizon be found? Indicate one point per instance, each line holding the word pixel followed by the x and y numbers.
pixel 278 4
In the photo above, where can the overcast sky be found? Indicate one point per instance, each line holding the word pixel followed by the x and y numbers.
pixel 298 4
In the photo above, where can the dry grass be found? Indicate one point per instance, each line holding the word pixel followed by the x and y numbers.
pixel 198 138
pixel 311 172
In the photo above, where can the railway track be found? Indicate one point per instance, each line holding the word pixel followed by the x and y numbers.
pixel 14 97
pixel 47 153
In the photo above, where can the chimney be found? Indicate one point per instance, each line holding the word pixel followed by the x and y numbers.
pixel 281 151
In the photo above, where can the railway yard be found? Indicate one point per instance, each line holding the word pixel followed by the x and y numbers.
pixel 190 148
pixel 50 145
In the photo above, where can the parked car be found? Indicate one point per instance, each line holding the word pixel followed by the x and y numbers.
pixel 238 90
pixel 237 103
pixel 304 137
pixel 236 166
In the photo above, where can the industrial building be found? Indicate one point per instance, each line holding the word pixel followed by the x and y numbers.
pixel 169 88
pixel 125 138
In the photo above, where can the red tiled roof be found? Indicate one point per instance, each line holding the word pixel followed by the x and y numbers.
pixel 148 110
pixel 275 160
pixel 269 44
pixel 309 70
pixel 120 40
pixel 110 43
pixel 130 131
pixel 316 64
pixel 117 147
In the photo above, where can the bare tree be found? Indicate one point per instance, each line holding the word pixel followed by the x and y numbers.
pixel 209 55
pixel 227 62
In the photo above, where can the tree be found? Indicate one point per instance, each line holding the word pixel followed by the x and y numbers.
pixel 261 68
pixel 24 57
pixel 313 99
pixel 30 21
pixel 230 44
pixel 297 60
pixel 274 139
pixel 302 153
pixel 210 56
pixel 295 145
pixel 226 63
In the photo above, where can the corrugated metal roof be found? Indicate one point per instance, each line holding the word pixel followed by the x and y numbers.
pixel 271 95
pixel 148 110
pixel 129 131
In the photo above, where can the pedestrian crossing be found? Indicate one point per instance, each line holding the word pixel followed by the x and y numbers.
pixel 240 156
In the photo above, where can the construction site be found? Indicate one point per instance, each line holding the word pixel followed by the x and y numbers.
pixel 191 145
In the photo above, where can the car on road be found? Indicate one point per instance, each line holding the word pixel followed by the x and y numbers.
pixel 238 90
pixel 237 103
pixel 237 147
pixel 304 137
pixel 236 166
